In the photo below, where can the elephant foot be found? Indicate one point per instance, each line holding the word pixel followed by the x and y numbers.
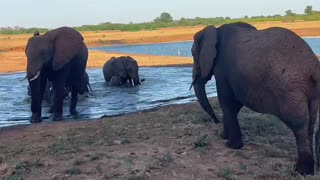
pixel 238 144
pixel 305 167
pixel 215 120
pixel 224 135
pixel 35 118
pixel 73 112
pixel 57 117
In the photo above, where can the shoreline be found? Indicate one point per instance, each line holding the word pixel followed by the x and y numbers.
pixel 13 58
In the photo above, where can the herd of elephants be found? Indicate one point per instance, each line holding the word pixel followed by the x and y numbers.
pixel 272 71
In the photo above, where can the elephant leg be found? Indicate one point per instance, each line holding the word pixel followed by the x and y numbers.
pixel 74 100
pixel 296 117
pixel 231 127
pixel 305 163
pixel 58 99
pixel 313 110
pixel 37 91
pixel 52 97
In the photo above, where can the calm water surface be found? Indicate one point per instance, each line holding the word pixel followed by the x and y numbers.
pixel 176 49
pixel 162 86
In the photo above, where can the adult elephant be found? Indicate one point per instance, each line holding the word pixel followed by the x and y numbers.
pixel 271 71
pixel 59 56
pixel 120 70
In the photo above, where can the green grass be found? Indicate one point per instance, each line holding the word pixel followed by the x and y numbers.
pixel 73 171
pixel 23 168
pixel 201 142
pixel 225 173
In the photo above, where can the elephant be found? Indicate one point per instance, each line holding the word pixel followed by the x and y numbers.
pixel 120 70
pixel 271 71
pixel 60 56
pixel 115 81
pixel 49 91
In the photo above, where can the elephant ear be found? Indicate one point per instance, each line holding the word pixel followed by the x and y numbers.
pixel 204 52
pixel 64 51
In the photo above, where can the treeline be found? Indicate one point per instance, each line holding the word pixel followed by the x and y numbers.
pixel 166 20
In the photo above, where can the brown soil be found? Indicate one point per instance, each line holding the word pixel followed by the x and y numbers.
pixel 172 142
pixel 13 59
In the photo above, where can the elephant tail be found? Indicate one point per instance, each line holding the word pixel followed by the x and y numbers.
pixel 315 78
pixel 317 143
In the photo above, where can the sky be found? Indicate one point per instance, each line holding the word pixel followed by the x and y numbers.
pixel 56 13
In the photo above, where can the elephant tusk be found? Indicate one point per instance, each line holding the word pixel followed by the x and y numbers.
pixel 24 78
pixel 132 82
pixel 140 82
pixel 193 81
pixel 36 76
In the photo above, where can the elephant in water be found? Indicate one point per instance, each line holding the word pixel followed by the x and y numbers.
pixel 59 56
pixel 272 71
pixel 49 91
pixel 119 71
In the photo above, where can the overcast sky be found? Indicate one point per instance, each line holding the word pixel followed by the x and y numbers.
pixel 55 13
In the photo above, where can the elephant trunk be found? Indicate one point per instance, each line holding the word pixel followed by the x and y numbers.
pixel 134 80
pixel 200 91
pixel 33 71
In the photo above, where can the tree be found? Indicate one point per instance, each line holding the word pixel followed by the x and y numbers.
pixel 290 13
pixel 164 17
pixel 308 10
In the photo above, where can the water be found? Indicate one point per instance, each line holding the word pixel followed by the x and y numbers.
pixel 165 85
pixel 177 48
pixel 162 86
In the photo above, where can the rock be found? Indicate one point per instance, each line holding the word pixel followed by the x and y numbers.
pixel 116 142
pixel 55 176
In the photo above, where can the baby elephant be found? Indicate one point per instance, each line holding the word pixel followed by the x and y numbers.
pixel 49 91
pixel 120 70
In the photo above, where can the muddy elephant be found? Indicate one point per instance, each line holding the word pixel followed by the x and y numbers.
pixel 271 71
pixel 120 70
pixel 59 56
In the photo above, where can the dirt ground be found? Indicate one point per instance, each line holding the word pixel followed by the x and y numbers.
pixel 13 59
pixel 171 142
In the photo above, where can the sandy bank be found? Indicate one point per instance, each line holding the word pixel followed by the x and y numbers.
pixel 13 59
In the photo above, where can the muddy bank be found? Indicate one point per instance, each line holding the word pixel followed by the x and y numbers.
pixel 172 142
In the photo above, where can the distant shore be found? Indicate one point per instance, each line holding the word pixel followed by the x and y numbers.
pixel 13 58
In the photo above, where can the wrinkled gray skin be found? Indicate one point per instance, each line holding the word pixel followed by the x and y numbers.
pixel 119 71
pixel 271 71
pixel 59 56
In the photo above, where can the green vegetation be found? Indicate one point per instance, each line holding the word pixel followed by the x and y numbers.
pixel 24 167
pixel 201 142
pixel 73 171
pixel 166 20
pixel 225 173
